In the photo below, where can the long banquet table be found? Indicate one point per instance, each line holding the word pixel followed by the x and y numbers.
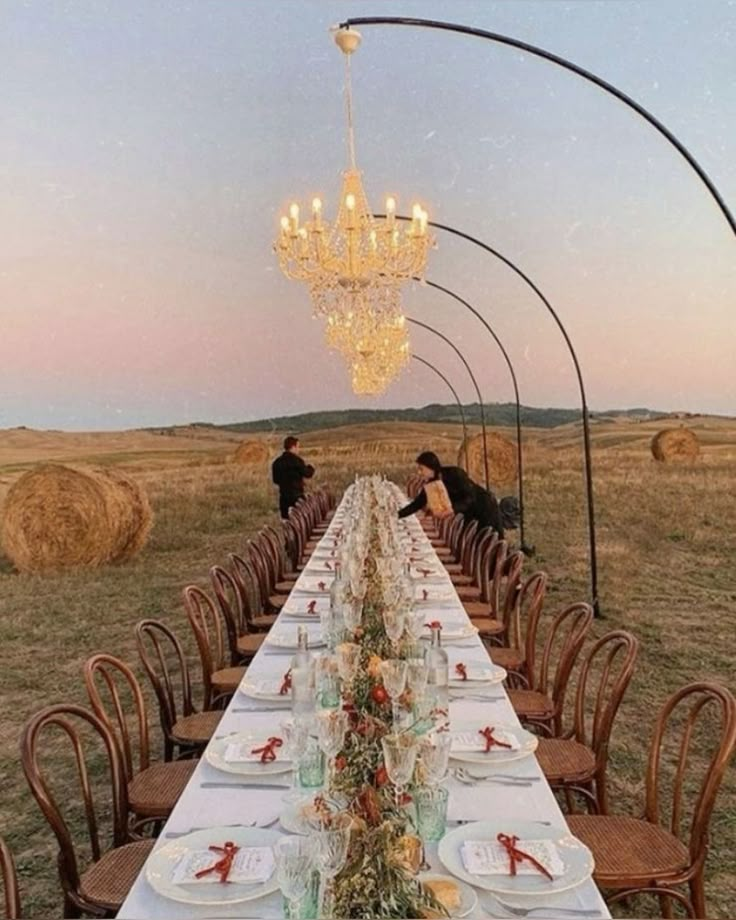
pixel 212 807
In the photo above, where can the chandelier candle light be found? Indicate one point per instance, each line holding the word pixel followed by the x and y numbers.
pixel 355 267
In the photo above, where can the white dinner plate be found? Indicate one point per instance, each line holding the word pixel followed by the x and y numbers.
pixel 468 897
pixel 477 686
pixel 496 755
pixel 283 637
pixel 256 693
pixel 577 858
pixel 215 755
pixel 292 819
pixel 162 861
pixel 311 585
pixel 452 631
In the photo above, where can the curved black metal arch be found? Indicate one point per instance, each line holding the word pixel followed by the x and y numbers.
pixel 567 65
pixel 468 368
pixel 528 550
pixel 452 389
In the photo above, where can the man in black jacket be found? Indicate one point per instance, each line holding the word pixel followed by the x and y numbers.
pixel 468 498
pixel 289 472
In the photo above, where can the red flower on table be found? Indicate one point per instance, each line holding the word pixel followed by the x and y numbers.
pixel 461 670
pixel 268 751
pixel 516 856
pixel 224 865
pixel 487 733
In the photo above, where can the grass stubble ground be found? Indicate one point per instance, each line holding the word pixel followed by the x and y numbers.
pixel 667 560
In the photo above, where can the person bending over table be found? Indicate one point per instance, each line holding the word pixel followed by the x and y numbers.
pixel 467 497
pixel 289 472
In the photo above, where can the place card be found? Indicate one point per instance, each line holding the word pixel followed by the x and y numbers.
pixel 474 742
pixel 474 673
pixel 489 857
pixel 250 866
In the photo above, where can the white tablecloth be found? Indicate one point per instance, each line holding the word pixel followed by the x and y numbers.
pixel 199 807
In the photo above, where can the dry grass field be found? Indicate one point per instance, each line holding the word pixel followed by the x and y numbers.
pixel 667 557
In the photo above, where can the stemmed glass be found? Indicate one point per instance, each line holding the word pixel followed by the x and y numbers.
pixel 294 862
pixel 399 755
pixel 296 735
pixel 348 659
pixel 416 681
pixel 393 622
pixel 393 673
pixel 331 852
pixel 353 614
pixel 434 753
pixel 332 726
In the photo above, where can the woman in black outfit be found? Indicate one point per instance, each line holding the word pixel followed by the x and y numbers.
pixel 467 497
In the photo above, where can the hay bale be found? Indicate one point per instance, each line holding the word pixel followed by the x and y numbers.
pixel 134 518
pixel 252 453
pixel 501 458
pixel 56 517
pixel 675 445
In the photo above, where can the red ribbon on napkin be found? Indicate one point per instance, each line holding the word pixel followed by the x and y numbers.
pixel 508 842
pixel 321 585
pixel 461 670
pixel 328 565
pixel 425 572
pixel 224 865
pixel 425 594
pixel 285 683
pixel 487 733
pixel 312 607
pixel 268 751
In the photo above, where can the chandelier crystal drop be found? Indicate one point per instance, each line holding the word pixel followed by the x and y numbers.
pixel 355 266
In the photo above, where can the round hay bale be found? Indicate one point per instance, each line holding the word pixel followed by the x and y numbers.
pixel 675 445
pixel 131 515
pixel 56 517
pixel 252 453
pixel 501 458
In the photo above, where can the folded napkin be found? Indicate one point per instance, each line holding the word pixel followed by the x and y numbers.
pixel 250 865
pixel 472 742
pixel 489 857
pixel 306 608
pixel 425 571
pixel 452 631
pixel 244 752
pixel 316 585
pixel 267 687
pixel 473 672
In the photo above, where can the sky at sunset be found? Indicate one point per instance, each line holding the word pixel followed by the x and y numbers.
pixel 149 147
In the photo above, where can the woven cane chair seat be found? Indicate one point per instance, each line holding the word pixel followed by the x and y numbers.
pixel 487 626
pixel 468 592
pixel 108 881
pixel 157 789
pixel 249 644
pixel 511 659
pixel 262 623
pixel 530 704
pixel 629 851
pixel 276 601
pixel 444 552
pixel 462 580
pixel 453 568
pixel 477 609
pixel 227 680
pixel 565 761
pixel 198 728
pixel 286 586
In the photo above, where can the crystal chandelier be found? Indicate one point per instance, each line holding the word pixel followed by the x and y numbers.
pixel 340 261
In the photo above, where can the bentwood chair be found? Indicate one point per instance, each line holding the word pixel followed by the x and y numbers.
pixel 11 895
pixel 246 578
pixel 101 887
pixel 220 678
pixel 117 700
pixel 517 658
pixel 462 573
pixel 286 576
pixel 541 706
pixel 265 571
pixel 500 579
pixel 185 729
pixel 242 642
pixel 694 740
pixel 577 761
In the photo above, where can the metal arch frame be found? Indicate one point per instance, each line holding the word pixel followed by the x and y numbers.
pixel 452 389
pixel 453 346
pixel 567 65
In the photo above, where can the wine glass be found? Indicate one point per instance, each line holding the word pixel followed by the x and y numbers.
pixel 332 842
pixel 393 674
pixel 353 613
pixel 416 681
pixel 296 734
pixel 332 726
pixel 294 862
pixel 348 659
pixel 434 753
pixel 399 756
pixel 393 622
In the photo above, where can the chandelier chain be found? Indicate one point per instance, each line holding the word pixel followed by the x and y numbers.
pixel 349 108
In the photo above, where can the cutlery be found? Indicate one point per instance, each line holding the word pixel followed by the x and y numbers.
pixel 190 830
pixel 515 776
pixel 459 695
pixel 217 785
pixel 510 911
pixel 274 708
pixel 466 780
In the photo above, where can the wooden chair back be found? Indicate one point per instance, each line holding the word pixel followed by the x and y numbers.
pixel 105 677
pixel 230 601
pixel 492 574
pixel 565 637
pixel 210 634
pixel 293 544
pixel 525 620
pixel 246 580
pixel 259 561
pixel 700 713
pixel 11 894
pixel 509 590
pixel 163 660
pixel 82 735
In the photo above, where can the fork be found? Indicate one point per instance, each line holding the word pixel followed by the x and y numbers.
pixel 464 778
pixel 479 777
pixel 191 830
pixel 510 911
